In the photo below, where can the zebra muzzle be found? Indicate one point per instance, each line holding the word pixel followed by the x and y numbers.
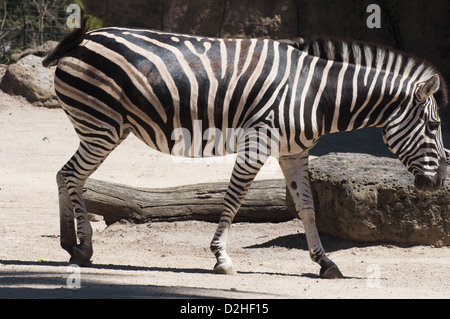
pixel 427 183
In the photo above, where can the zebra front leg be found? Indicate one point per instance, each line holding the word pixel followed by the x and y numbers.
pixel 295 170
pixel 251 157
pixel 241 179
pixel 224 264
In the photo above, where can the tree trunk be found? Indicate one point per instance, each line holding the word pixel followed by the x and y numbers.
pixel 265 202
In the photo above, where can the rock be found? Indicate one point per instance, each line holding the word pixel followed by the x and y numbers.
pixel 364 198
pixel 3 68
pixel 42 51
pixel 31 80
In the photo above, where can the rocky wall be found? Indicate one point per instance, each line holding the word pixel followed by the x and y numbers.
pixel 415 26
pixel 419 27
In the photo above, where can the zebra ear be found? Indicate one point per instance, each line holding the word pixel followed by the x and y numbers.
pixel 430 87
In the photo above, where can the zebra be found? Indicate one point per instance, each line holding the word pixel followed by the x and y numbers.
pixel 113 81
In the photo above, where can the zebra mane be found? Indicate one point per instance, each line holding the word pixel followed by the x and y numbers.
pixel 366 53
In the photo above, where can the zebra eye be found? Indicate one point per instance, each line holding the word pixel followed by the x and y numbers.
pixel 433 126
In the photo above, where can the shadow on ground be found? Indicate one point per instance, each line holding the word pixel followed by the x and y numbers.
pixel 298 241
pixel 51 282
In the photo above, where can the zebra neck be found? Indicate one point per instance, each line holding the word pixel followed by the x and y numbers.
pixel 345 97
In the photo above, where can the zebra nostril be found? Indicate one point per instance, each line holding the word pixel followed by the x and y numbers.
pixel 447 156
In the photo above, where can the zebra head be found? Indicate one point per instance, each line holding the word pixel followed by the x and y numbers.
pixel 414 136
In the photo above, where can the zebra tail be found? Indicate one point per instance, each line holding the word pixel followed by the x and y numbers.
pixel 70 42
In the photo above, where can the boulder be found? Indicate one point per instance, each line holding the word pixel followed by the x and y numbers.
pixel 364 198
pixel 3 68
pixel 31 80
pixel 42 51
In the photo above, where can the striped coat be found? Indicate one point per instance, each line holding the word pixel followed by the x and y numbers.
pixel 280 97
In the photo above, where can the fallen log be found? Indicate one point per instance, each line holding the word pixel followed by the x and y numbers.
pixel 265 202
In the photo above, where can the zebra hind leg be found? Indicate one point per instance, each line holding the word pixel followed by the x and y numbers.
pixel 295 170
pixel 68 238
pixel 70 179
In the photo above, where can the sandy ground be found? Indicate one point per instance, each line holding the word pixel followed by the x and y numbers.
pixel 171 260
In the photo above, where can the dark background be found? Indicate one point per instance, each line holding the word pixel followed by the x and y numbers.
pixel 417 26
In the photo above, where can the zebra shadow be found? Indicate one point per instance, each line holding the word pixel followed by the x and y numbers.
pixel 298 241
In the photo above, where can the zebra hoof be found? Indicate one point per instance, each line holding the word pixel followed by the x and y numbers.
pixel 224 269
pixel 80 257
pixel 330 271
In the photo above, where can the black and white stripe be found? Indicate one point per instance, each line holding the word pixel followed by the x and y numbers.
pixel 119 80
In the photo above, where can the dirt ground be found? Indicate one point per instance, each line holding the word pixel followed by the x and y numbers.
pixel 171 260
